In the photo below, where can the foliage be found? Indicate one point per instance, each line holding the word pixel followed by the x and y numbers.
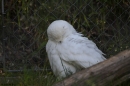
pixel 29 78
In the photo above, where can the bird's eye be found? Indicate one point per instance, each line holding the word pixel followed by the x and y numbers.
pixel 60 41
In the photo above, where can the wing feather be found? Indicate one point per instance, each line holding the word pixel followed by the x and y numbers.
pixel 59 67
pixel 80 51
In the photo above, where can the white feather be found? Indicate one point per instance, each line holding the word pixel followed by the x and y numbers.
pixel 68 51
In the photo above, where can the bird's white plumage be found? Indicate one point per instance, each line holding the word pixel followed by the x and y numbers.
pixel 68 51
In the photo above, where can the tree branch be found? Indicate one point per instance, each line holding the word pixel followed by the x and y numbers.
pixel 112 71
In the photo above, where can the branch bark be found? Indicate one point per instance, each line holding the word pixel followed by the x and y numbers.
pixel 110 72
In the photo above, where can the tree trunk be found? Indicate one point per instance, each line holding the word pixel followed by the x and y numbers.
pixel 111 72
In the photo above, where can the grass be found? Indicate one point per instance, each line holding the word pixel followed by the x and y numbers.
pixel 29 78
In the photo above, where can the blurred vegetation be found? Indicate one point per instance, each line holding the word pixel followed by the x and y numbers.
pixel 28 78
pixel 106 22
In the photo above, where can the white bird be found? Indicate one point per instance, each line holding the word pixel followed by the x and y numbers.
pixel 68 51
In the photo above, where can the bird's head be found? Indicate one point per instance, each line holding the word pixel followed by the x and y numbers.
pixel 59 29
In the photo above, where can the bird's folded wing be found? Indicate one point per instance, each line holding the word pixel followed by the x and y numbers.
pixel 80 50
